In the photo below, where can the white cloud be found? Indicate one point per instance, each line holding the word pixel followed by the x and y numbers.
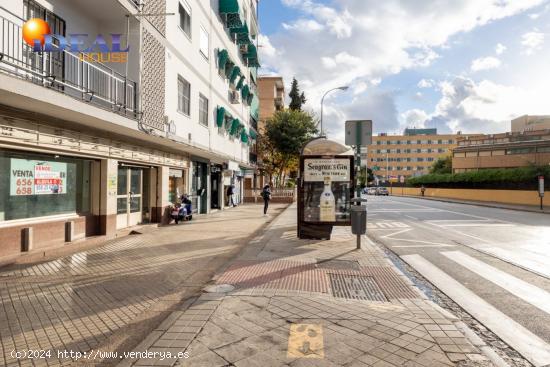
pixel 267 48
pixel 485 63
pixel 426 83
pixel 500 48
pixel 414 118
pixel 365 40
pixel 304 25
pixel 486 106
pixel 532 41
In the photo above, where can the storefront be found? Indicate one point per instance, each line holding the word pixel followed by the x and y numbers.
pixel 40 185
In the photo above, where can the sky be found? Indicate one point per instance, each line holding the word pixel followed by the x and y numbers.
pixel 457 65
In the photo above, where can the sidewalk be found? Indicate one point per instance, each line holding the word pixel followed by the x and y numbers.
pixel 290 302
pixel 489 204
pixel 109 298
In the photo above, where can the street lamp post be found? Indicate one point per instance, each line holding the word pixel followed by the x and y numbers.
pixel 323 99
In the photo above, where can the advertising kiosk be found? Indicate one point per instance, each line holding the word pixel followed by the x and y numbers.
pixel 325 188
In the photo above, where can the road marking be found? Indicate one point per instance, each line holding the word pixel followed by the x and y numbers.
pixel 420 246
pixel 305 341
pixel 386 225
pixel 520 258
pixel 533 348
pixel 526 291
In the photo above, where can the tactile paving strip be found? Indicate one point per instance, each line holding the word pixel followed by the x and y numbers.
pixel 356 287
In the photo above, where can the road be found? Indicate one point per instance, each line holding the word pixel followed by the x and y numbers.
pixel 494 263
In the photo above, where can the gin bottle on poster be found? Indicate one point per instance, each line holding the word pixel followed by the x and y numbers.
pixel 327 203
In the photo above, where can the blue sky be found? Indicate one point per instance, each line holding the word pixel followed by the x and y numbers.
pixel 469 65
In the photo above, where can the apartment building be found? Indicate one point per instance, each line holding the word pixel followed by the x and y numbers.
pixel 505 150
pixel 272 96
pixel 105 133
pixel 411 154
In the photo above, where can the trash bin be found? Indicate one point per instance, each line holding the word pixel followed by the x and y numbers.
pixel 358 219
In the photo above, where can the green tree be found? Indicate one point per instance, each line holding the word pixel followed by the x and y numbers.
pixel 365 176
pixel 297 99
pixel 442 165
pixel 286 132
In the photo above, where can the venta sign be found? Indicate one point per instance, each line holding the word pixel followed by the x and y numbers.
pixel 337 169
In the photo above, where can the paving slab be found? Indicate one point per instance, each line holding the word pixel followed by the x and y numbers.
pixel 284 309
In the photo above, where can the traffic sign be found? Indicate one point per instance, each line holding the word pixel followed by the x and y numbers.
pixel 358 132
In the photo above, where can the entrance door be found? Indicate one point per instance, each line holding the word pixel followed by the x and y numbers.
pixel 215 190
pixel 129 197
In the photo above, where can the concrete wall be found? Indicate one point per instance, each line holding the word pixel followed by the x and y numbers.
pixel 520 197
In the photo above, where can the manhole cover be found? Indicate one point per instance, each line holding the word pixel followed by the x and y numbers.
pixel 338 264
pixel 219 288
pixel 356 287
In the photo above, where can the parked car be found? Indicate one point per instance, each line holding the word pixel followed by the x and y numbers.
pixel 371 191
pixel 382 191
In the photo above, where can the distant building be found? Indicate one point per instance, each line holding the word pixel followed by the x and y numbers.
pixel 530 123
pixel 410 154
pixel 505 150
pixel 272 96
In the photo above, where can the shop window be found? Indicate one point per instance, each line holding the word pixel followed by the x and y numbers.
pixel 34 185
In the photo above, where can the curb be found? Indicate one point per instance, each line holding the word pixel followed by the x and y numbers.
pixel 476 203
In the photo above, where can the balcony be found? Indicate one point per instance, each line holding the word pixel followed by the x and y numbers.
pixel 65 72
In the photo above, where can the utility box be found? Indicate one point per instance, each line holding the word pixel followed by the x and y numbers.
pixel 358 219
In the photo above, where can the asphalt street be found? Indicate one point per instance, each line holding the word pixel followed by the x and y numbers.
pixel 494 263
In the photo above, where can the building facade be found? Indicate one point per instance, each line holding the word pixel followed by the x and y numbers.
pixel 411 154
pixel 272 96
pixel 530 123
pixel 506 150
pixel 97 140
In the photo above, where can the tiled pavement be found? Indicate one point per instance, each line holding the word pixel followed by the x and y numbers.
pixel 111 297
pixel 284 311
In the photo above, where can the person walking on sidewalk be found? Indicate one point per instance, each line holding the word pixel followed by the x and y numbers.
pixel 266 195
pixel 230 201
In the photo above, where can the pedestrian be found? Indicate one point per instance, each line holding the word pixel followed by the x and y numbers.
pixel 230 201
pixel 266 195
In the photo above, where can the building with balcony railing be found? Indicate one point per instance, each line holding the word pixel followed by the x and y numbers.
pixel 90 143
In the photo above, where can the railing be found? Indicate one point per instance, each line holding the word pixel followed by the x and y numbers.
pixel 277 195
pixel 64 71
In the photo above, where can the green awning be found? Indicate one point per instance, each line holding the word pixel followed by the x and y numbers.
pixel 223 57
pixel 228 120
pixel 229 6
pixel 245 92
pixel 220 116
pixel 243 34
pixel 240 83
pixel 229 68
pixel 253 134
pixel 252 56
pixel 232 12
pixel 234 74
pixel 249 99
pixel 234 126
pixel 244 137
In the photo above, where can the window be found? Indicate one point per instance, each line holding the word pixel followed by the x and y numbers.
pixel 184 96
pixel 204 43
pixel 520 151
pixel 203 110
pixel 185 18
pixel 36 185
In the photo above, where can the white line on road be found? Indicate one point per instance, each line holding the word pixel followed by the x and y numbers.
pixel 522 258
pixel 536 350
pixel 526 291
pixel 415 246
